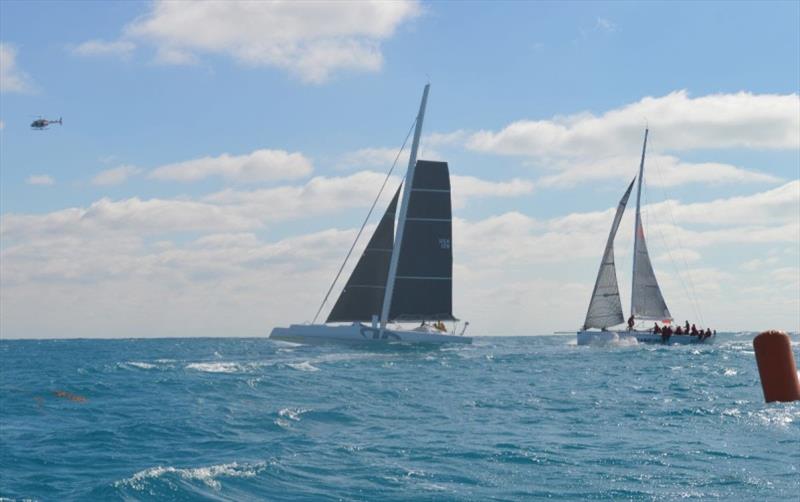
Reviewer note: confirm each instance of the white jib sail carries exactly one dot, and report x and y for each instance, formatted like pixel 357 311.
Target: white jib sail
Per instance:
pixel 647 302
pixel 605 307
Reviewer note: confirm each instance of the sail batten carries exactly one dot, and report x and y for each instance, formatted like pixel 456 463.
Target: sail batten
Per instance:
pixel 647 302
pixel 605 307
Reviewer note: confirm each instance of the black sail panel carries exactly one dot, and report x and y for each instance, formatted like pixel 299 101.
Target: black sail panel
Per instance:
pixel 362 296
pixel 424 283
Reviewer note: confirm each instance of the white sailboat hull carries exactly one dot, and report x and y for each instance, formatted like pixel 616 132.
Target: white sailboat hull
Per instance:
pixel 630 337
pixel 359 334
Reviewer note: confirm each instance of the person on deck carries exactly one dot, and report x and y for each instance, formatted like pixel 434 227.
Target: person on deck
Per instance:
pixel 630 323
pixel 656 329
pixel 708 332
pixel 678 331
pixel 694 330
pixel 686 327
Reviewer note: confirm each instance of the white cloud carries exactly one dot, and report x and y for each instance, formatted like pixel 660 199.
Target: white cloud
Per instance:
pixel 177 57
pixel 116 175
pixel 662 171
pixel 260 165
pixel 12 79
pixel 678 122
pixel 309 39
pixel 40 179
pixel 119 48
pixel 134 215
pixel 373 157
pixel 219 281
pixel 585 147
pixel 466 187
pixel 606 25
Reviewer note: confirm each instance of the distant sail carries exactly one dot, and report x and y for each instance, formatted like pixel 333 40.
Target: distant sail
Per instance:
pixel 423 287
pixel 362 296
pixel 646 299
pixel 605 307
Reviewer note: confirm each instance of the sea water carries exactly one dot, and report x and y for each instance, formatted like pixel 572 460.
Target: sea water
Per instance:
pixel 503 419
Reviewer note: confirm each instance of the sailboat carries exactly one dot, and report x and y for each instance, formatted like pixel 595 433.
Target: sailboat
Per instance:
pixel 402 276
pixel 647 302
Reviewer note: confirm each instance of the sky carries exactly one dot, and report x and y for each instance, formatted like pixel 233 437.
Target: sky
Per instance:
pixel 216 159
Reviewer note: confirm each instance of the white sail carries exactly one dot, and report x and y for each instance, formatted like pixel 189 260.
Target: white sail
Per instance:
pixel 647 302
pixel 605 307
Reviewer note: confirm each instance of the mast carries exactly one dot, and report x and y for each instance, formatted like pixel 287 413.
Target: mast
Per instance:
pixel 638 224
pixel 401 219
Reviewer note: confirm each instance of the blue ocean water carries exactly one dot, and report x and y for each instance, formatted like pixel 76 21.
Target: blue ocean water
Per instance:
pixel 503 419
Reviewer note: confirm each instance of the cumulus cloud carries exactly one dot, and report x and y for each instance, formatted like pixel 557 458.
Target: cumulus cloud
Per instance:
pixel 40 179
pixel 115 176
pixel 260 165
pixel 119 48
pixel 12 79
pixel 229 272
pixel 309 39
pixel 678 122
pixel 585 147
pixel 467 187
pixel 373 157
pixel 664 171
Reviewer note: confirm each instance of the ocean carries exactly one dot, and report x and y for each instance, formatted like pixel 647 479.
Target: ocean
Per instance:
pixel 518 418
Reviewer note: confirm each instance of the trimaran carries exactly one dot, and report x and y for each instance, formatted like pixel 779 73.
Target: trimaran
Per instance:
pixel 402 276
pixel 647 302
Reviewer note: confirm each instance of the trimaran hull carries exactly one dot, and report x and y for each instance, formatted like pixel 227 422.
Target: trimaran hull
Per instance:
pixel 360 334
pixel 622 337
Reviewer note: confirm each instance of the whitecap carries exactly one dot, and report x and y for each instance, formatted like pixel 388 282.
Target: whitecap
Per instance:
pixel 304 366
pixel 140 365
pixel 216 367
pixel 292 413
pixel 207 474
pixel 730 372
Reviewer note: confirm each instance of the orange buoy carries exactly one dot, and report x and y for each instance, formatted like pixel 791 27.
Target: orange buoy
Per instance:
pixel 776 366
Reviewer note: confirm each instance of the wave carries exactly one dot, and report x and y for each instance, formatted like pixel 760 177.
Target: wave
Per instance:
pixel 208 475
pixel 222 367
pixel 140 365
pixel 303 366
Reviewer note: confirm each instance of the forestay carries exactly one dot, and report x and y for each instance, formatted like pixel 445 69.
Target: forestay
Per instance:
pixel 362 296
pixel 605 307
pixel 423 288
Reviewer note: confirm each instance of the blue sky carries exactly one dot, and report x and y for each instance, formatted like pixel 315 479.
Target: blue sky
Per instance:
pixel 538 107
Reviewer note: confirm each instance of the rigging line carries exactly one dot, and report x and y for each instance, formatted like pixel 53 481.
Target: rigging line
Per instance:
pixel 695 297
pixel 691 293
pixel 358 235
pixel 672 261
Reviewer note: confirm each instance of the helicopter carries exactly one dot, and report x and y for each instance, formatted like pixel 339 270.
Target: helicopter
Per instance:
pixel 41 124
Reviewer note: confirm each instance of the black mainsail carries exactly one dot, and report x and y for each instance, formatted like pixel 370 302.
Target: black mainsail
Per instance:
pixel 362 296
pixel 423 285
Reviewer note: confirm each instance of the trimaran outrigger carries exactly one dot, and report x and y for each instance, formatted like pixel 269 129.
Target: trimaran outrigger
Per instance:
pixel 647 302
pixel 402 276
